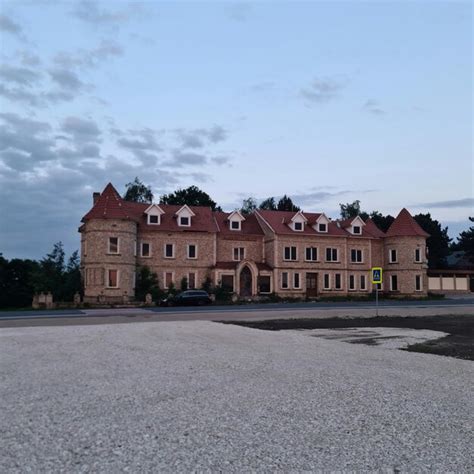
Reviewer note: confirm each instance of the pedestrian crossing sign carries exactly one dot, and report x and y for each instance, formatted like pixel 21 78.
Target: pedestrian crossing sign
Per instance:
pixel 376 275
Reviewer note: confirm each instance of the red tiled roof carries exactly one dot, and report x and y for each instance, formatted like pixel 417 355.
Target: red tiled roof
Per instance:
pixel 111 206
pixel 249 226
pixel 405 225
pixel 279 220
pixel 372 229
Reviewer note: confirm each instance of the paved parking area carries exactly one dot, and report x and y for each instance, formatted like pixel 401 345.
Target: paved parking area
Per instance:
pixel 182 396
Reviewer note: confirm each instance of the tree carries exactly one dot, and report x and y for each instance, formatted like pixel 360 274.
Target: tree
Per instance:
pixel 268 204
pixel 192 196
pixel 352 209
pixel 72 277
pixel 381 221
pixel 146 282
pixel 437 242
pixel 286 204
pixel 138 192
pixel 466 242
pixel 248 206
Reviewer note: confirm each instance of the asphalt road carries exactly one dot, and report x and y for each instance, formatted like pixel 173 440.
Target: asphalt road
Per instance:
pixel 207 397
pixel 230 312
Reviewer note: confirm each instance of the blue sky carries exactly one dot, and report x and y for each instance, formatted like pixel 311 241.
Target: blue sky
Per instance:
pixel 325 101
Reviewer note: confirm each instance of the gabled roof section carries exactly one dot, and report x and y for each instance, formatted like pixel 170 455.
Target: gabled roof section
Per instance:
pixel 321 218
pixel 249 226
pixel 371 229
pixel 185 210
pixel 109 205
pixel 405 226
pixel 236 215
pixel 154 209
pixel 298 217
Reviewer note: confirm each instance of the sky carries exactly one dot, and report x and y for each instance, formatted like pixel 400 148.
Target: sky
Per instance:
pixel 327 102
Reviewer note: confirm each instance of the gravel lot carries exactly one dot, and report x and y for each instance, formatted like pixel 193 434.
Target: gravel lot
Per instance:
pixel 183 396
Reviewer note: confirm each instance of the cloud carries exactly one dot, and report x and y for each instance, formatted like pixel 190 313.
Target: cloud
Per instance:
pixel 220 160
pixel 19 94
pixel 28 59
pixel 181 159
pixel 239 12
pixel 90 12
pixel 262 86
pixel 82 130
pixel 373 107
pixel 197 138
pixel 465 202
pixel 7 25
pixel 19 75
pixel 322 90
pixel 67 79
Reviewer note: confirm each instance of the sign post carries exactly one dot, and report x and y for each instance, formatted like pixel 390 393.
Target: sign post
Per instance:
pixel 377 280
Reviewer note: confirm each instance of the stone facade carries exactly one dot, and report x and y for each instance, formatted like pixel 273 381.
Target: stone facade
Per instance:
pixel 256 255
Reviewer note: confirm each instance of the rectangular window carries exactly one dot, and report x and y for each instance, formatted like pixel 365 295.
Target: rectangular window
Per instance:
pixel 322 228
pixel 290 253
pixel 393 283
pixel 296 280
pixel 146 251
pixel 169 250
pixel 337 281
pixel 135 246
pixel 113 245
pixel 298 226
pixel 418 284
pixel 184 221
pixel 168 279
pixel 327 281
pixel 352 285
pixel 362 282
pixel 239 253
pixel 191 281
pixel 235 225
pixel 392 256
pixel 284 280
pixel 418 255
pixel 331 255
pixel 192 251
pixel 263 284
pixel 153 219
pixel 356 256
pixel 356 229
pixel 112 279
pixel 227 282
pixel 311 254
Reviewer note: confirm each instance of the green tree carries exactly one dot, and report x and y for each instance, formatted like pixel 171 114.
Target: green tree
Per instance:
pixel 192 196
pixel 138 192
pixel 268 204
pixel 465 242
pixel 72 277
pixel 248 206
pixel 184 284
pixel 352 209
pixel 437 242
pixel 381 221
pixel 146 282
pixel 286 204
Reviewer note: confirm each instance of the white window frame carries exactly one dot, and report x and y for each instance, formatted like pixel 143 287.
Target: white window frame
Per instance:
pixel 195 280
pixel 108 277
pixel 195 252
pixel 299 281
pixel 349 286
pixel 239 254
pixel 328 287
pixel 164 250
pixel 287 281
pixel 149 250
pixel 361 256
pixel 390 260
pixel 354 230
pixel 337 254
pixel 296 253
pixel 420 259
pixel 421 282
pixel 298 230
pixel 391 283
pixel 340 281
pixel 154 215
pixel 172 279
pixel 135 248
pixel 363 278
pixel 306 254
pixel 319 227
pixel 235 221
pixel 180 221
pixel 118 246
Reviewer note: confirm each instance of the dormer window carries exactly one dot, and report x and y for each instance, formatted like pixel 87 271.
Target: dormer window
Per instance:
pixel 153 214
pixel 357 229
pixel 153 219
pixel 322 227
pixel 184 216
pixel 298 226
pixel 184 221
pixel 235 225
pixel 298 221
pixel 235 220
pixel 321 224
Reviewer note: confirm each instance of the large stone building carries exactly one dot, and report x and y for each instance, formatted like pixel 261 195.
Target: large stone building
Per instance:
pixel 295 254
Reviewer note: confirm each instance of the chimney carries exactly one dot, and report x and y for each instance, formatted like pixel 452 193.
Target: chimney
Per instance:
pixel 95 197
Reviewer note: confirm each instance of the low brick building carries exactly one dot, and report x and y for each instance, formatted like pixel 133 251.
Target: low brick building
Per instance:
pixel 294 254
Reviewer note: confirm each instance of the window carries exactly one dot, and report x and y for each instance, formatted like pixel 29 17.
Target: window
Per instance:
pixel 263 283
pixel 239 253
pixel 135 246
pixel 392 256
pixel 337 281
pixel 311 254
pixel 322 227
pixel 352 282
pixel 356 229
pixel 169 250
pixel 227 282
pixel 153 219
pixel 296 280
pixel 112 279
pixel 362 282
pixel 192 281
pixel 113 245
pixel 418 255
pixel 184 221
pixel 235 225
pixel 298 226
pixel 327 281
pixel 393 283
pixel 284 280
pixel 356 255
pixel 192 251
pixel 331 255
pixel 418 283
pixel 168 279
pixel 146 249
pixel 290 253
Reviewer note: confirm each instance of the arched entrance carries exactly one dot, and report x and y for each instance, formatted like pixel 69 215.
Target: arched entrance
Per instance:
pixel 246 282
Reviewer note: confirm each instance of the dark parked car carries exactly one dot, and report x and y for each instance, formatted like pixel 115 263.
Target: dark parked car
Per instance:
pixel 189 297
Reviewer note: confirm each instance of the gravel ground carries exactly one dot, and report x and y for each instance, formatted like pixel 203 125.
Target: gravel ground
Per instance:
pixel 203 396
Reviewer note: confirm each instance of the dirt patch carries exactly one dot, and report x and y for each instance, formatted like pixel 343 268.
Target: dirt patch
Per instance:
pixel 459 343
